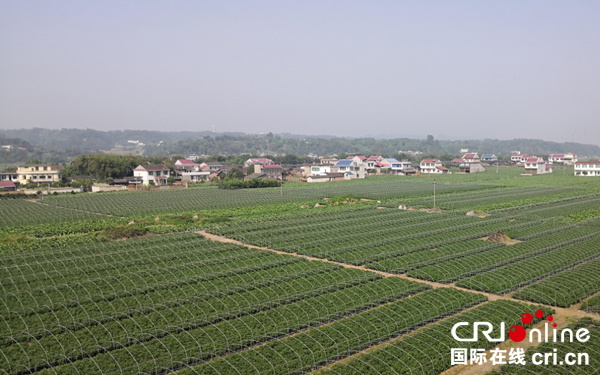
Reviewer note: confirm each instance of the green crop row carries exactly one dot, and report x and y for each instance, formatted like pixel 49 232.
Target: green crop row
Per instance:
pixel 480 262
pixel 159 351
pixel 565 288
pixel 86 314
pixel 428 351
pixel 513 276
pixel 315 347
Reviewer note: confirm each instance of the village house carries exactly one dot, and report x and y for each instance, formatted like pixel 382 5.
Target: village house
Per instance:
pixel 258 161
pixel 211 166
pixel 432 166
pixel 352 168
pixel 195 176
pixel 9 176
pixel 6 186
pixel 587 168
pixel 516 157
pixel 155 173
pixel 489 158
pixel 470 167
pixel 456 161
pixel 329 161
pixel 471 158
pixel 294 172
pixel 269 171
pixel 327 177
pixel 358 158
pixel 535 165
pixel 39 173
pixel 185 165
pixel 372 161
pixel 524 158
pixel 402 168
pixel 566 159
pixel 188 171
pixel 385 163
pixel 316 170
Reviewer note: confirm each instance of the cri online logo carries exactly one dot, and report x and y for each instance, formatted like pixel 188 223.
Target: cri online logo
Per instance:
pixel 517 332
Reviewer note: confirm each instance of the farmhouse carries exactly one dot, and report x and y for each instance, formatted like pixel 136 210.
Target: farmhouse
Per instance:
pixel 432 166
pixel 358 158
pixel 373 160
pixel 567 159
pixel 316 170
pixel 155 173
pixel 211 166
pixel 258 161
pixel 7 186
pixel 39 173
pixel 195 176
pixel 9 176
pixel 185 165
pixel 489 158
pixel 327 177
pixel 329 161
pixel 587 168
pixel 352 168
pixel 269 171
pixel 402 168
pixel 470 167
pixel 535 165
pixel 516 157
pixel 471 158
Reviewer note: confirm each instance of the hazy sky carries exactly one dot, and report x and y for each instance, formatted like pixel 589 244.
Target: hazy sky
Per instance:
pixel 459 69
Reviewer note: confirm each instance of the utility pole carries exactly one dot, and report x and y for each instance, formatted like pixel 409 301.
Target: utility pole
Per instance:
pixel 281 185
pixel 497 161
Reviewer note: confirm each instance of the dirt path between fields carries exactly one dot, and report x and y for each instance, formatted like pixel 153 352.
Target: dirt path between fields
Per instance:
pixel 563 316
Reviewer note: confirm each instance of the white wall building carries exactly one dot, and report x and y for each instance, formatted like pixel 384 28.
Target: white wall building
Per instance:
pixel 587 168
pixel 566 159
pixel 155 173
pixel 535 165
pixel 432 166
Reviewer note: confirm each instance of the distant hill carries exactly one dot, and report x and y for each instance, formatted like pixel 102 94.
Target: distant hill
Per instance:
pixel 70 142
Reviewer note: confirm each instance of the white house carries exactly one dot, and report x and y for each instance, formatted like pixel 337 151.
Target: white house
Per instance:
pixel 195 176
pixel 471 157
pixel 402 168
pixel 212 166
pixel 524 158
pixel 587 168
pixel 329 161
pixel 372 160
pixel 155 173
pixel 433 166
pixel 316 170
pixel 569 158
pixel 515 157
pixel 258 161
pixel 489 158
pixel 352 168
pixel 535 165
pixel 185 165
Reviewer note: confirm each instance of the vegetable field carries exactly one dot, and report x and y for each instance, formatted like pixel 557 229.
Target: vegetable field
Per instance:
pixel 324 278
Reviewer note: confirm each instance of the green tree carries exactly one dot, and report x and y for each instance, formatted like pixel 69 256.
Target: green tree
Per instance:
pixel 235 174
